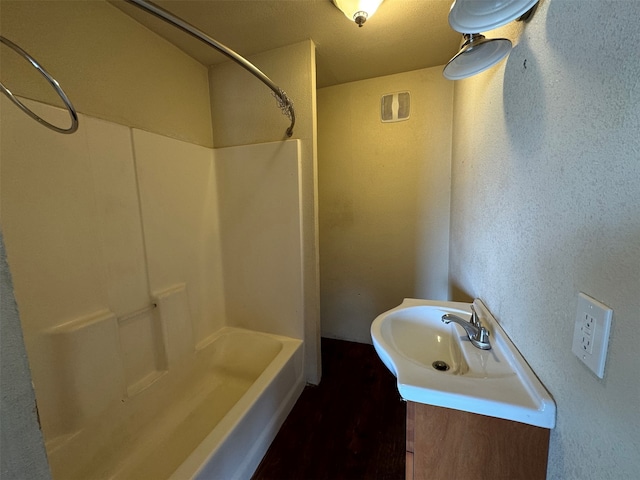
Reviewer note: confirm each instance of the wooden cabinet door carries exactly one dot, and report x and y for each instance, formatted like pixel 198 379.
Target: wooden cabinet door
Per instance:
pixel 449 444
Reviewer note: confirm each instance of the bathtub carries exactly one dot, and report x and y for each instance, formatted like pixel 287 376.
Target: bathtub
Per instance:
pixel 215 420
pixel 235 446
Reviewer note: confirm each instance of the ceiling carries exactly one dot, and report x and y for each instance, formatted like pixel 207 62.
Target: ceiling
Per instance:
pixel 403 35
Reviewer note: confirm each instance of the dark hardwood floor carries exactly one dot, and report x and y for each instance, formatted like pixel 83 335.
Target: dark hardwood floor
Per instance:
pixel 351 426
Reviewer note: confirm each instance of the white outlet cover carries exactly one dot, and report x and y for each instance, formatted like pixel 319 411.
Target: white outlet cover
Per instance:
pixel 594 337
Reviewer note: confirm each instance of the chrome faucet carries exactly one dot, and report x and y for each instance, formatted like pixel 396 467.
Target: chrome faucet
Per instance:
pixel 478 335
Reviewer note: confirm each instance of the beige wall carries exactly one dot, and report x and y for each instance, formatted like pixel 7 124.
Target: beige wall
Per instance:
pixel 384 199
pixel 244 112
pixel 109 66
pixel 546 204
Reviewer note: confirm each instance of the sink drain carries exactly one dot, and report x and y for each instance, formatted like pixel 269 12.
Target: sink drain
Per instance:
pixel 440 366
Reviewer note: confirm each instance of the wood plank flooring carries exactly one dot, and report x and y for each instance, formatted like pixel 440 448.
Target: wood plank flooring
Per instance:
pixel 350 427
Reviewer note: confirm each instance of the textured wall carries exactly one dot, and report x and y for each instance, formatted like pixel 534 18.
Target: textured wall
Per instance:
pixel 384 199
pixel 244 113
pixel 22 453
pixel 109 66
pixel 546 203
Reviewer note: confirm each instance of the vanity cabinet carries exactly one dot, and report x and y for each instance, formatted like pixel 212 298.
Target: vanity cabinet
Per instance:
pixel 449 444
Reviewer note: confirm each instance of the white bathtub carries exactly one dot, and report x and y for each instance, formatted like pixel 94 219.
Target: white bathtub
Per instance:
pixel 214 421
pixel 235 446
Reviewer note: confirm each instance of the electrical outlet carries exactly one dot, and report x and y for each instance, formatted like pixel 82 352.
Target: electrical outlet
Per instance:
pixel 587 328
pixel 591 333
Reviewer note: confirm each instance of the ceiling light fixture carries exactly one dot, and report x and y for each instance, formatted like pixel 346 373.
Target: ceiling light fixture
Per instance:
pixel 476 55
pixel 358 10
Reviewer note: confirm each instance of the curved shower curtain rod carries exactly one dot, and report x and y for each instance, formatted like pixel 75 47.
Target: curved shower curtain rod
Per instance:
pixel 52 81
pixel 285 104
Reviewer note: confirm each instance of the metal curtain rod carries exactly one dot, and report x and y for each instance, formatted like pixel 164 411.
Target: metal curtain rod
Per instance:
pixel 285 104
pixel 52 81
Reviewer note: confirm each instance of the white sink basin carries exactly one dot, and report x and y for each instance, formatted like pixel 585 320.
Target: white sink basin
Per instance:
pixel 420 337
pixel 416 346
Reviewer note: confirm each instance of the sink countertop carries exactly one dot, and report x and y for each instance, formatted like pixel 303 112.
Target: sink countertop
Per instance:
pixel 497 382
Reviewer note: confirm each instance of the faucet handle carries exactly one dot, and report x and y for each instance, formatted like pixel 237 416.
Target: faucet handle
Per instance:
pixel 475 320
pixel 481 339
pixel 483 335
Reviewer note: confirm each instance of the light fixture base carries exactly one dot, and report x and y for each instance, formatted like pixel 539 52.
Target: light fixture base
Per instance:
pixel 358 11
pixel 476 55
pixel 360 17
pixel 528 15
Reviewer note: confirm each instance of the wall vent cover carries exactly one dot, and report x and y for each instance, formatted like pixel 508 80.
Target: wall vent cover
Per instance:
pixel 395 107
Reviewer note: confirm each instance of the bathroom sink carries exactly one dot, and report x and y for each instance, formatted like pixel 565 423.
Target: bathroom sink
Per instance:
pixel 436 364
pixel 419 336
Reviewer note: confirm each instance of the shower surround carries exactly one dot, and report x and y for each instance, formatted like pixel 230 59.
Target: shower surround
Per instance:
pixel 132 254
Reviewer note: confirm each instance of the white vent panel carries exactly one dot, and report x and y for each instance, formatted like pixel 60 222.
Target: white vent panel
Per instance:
pixel 395 107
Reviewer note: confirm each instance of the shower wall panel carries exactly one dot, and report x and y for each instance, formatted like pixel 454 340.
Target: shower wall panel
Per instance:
pixel 243 113
pixel 116 248
pixel 179 203
pixel 71 223
pixel 109 300
pixel 260 225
